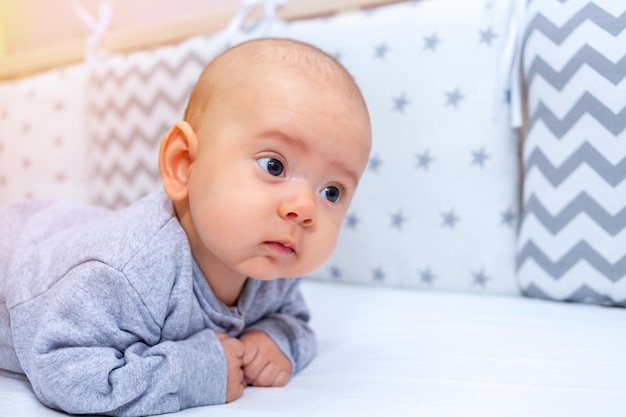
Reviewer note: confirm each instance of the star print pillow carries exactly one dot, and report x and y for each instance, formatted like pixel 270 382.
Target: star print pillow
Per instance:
pixel 437 205
pixel 42 139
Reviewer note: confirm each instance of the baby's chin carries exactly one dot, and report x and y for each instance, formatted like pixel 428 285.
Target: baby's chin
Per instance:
pixel 284 274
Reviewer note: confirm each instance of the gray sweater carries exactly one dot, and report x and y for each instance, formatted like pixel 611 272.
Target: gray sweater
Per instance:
pixel 107 312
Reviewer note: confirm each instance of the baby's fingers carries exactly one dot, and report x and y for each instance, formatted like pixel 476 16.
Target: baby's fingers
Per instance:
pixel 250 353
pixel 270 376
pixel 234 350
pixel 235 385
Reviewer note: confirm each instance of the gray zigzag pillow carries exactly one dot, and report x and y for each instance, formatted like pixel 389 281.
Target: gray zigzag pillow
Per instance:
pixel 572 241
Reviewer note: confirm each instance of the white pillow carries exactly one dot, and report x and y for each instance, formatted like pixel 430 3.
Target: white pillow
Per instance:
pixel 42 136
pixel 437 206
pixel 572 243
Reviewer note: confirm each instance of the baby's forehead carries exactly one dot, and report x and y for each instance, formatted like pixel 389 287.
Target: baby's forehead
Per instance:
pixel 250 58
pixel 253 68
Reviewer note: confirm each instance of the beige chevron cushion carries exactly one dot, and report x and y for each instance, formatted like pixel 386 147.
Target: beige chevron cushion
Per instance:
pixel 133 100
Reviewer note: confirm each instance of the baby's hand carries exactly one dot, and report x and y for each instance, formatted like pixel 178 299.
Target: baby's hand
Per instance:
pixel 234 351
pixel 264 365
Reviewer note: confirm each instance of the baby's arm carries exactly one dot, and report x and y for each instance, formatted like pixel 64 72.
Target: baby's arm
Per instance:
pixel 281 343
pixel 90 345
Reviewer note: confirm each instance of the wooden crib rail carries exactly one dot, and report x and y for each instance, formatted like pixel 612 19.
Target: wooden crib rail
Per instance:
pixel 25 63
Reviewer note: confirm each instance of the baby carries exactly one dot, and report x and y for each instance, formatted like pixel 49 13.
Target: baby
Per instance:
pixel 189 295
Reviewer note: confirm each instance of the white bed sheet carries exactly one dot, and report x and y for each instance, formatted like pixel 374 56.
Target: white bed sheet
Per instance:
pixel 391 352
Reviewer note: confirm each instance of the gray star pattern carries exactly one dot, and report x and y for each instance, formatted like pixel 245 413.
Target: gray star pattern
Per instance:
pixel 399 103
pixel 480 278
pixel 479 157
pixel 378 274
pixel 426 276
pixel 398 220
pixel 380 51
pixel 352 221
pixel 450 219
pixel 487 36
pixel 508 217
pixel 507 96
pixel 374 163
pixel 431 42
pixel 453 98
pixel 424 160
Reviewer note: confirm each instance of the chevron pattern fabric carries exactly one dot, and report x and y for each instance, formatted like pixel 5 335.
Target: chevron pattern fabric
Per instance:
pixel 132 101
pixel 572 240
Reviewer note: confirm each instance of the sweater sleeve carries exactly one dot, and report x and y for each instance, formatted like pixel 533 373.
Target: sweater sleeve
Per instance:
pixel 289 329
pixel 89 345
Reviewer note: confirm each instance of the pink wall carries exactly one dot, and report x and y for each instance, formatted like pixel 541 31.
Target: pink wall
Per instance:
pixel 32 23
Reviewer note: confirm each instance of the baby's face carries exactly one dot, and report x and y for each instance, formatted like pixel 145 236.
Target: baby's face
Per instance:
pixel 278 164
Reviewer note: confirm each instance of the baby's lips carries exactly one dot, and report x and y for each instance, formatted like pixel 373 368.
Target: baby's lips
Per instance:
pixel 281 247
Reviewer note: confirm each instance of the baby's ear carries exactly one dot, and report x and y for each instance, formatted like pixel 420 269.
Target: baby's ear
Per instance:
pixel 177 152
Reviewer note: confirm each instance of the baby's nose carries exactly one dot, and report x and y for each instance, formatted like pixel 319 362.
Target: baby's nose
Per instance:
pixel 299 206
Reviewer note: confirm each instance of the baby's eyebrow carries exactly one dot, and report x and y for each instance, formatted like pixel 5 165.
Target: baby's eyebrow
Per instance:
pixel 337 164
pixel 346 171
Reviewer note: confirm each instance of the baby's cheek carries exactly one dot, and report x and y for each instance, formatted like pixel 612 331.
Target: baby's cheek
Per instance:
pixel 327 246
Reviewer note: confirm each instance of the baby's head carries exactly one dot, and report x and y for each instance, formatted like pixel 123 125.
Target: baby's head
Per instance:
pixel 264 165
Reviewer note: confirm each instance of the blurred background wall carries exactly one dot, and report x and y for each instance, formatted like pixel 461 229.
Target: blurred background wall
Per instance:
pixel 28 24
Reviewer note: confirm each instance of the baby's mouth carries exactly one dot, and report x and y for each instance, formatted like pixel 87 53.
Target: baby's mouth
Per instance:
pixel 280 247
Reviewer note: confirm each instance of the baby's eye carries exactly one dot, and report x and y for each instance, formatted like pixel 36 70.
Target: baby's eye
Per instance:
pixel 331 193
pixel 273 166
